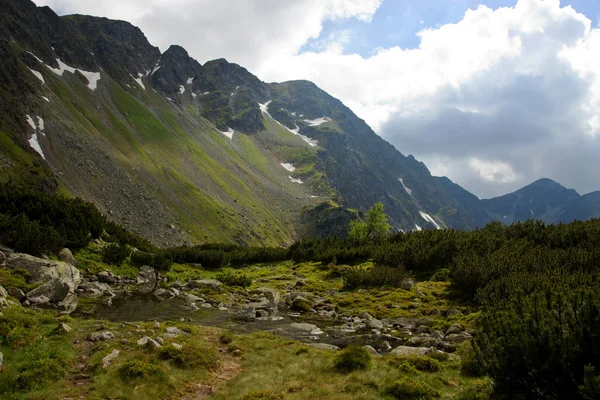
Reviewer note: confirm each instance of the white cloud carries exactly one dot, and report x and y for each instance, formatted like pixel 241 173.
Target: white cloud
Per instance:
pixel 494 101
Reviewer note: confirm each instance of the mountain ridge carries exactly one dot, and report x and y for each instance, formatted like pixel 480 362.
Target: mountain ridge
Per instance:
pixel 181 152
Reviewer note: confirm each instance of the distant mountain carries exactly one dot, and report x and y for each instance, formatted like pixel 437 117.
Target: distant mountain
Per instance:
pixel 543 200
pixel 181 152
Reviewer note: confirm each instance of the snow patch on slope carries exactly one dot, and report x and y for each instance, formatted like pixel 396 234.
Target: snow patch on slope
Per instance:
pixel 318 121
pixel 296 131
pixel 139 81
pixel 295 180
pixel 418 228
pixel 288 166
pixel 45 98
pixel 428 218
pixel 229 133
pixel 181 90
pixel 38 75
pixel 408 190
pixel 33 140
pixel 92 77
pixel 190 80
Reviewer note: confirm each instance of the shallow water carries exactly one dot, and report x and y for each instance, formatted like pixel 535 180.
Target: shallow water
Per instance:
pixel 140 308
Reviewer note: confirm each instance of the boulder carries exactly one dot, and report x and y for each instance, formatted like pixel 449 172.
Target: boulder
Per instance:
pixel 301 304
pixel 2 258
pixel 177 346
pixel 439 335
pixel 3 298
pixel 422 341
pixel 245 314
pixel 66 256
pixel 205 284
pixel 106 277
pixel 64 328
pixel 107 360
pixel 55 290
pixel 457 337
pixel 271 294
pixel 46 271
pixel 455 328
pixel 407 284
pixel 148 273
pixel 95 289
pixel 104 335
pixel 309 328
pixel 324 346
pixel 453 313
pixel 371 350
pixel 146 341
pixel 260 304
pixel 371 322
pixel 16 293
pixel 406 351
pixel 176 331
pixel 206 305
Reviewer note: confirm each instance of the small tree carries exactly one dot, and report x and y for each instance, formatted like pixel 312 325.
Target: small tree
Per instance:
pixel 375 227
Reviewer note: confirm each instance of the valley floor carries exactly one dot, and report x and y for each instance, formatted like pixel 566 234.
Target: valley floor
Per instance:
pixel 47 356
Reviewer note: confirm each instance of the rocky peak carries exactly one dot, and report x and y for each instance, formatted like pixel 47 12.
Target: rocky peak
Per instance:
pixel 119 47
pixel 177 73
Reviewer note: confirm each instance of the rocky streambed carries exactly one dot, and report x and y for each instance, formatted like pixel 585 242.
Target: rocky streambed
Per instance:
pixel 291 313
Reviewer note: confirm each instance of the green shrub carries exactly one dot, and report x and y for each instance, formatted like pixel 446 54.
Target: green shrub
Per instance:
pixel 231 279
pixel 479 391
pixel 191 355
pixel 442 357
pixel 355 278
pixel 441 275
pixel 136 369
pixel 115 254
pixel 158 261
pixel 353 358
pixel 409 389
pixel 420 363
pixel 27 236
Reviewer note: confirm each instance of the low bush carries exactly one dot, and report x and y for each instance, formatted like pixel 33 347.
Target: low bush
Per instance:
pixel 231 279
pixel 410 389
pixel 353 358
pixel 115 254
pixel 420 363
pixel 376 277
pixel 158 261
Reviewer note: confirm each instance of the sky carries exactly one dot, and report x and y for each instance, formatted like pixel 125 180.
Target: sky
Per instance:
pixel 494 94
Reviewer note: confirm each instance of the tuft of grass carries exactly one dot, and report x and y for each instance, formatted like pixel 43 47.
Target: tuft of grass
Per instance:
pixel 231 279
pixel 226 337
pixel 353 358
pixel 422 364
pixel 192 355
pixel 137 369
pixel 357 277
pixel 410 389
pixel 263 395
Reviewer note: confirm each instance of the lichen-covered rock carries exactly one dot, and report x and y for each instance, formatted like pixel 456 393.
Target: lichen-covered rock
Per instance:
pixel 422 341
pixel 245 314
pixel 149 342
pixel 205 284
pixel 104 335
pixel 455 328
pixel 66 256
pixel 324 346
pixel 43 271
pixel 271 294
pixel 301 304
pixel 406 351
pixel 107 360
pixel 371 350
